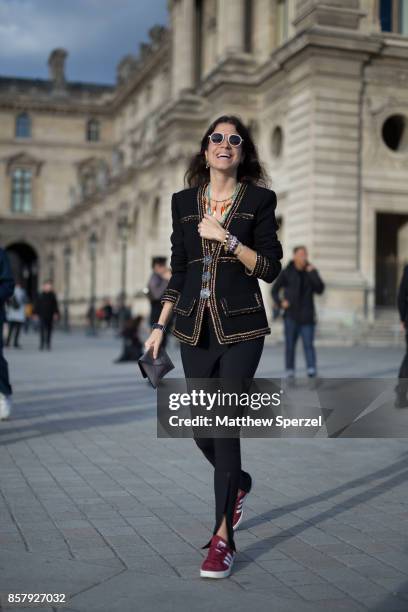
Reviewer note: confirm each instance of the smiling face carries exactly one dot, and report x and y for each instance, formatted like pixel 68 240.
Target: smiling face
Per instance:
pixel 223 156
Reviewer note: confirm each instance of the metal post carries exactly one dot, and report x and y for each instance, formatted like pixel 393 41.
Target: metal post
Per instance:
pixel 51 264
pixel 93 240
pixel 67 274
pixel 124 269
pixel 123 231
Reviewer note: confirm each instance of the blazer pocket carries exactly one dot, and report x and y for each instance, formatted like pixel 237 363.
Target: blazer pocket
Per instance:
pixel 184 305
pixel 241 304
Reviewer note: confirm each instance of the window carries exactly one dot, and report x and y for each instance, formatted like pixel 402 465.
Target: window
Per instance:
pixel 92 130
pixel 281 21
pixel 394 16
pixel 23 126
pixel 395 133
pixel 277 141
pixel 21 196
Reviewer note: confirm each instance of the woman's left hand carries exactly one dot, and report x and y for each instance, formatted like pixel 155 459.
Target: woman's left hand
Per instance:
pixel 211 229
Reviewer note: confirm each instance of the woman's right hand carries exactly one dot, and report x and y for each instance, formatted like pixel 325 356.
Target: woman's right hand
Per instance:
pixel 154 340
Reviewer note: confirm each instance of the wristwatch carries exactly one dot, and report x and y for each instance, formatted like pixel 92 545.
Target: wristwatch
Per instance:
pixel 159 326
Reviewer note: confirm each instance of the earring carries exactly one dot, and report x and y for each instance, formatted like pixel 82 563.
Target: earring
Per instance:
pixel 207 165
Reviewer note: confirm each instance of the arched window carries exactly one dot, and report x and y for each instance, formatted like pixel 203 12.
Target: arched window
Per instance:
pixel 21 191
pixel 92 130
pixel 23 126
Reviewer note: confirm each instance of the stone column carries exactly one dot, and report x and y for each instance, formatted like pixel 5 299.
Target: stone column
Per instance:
pixel 371 21
pixel 183 49
pixel 230 27
pixel 264 24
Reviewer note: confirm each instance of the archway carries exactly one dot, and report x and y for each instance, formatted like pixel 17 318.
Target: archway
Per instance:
pixel 24 265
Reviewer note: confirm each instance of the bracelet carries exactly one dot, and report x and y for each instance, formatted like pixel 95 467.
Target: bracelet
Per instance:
pixel 231 244
pixel 224 242
pixel 159 326
pixel 240 246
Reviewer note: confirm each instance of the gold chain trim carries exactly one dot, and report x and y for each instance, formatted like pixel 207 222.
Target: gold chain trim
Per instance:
pixel 188 218
pixel 206 249
pixel 244 215
pixel 170 295
pixel 184 311
pixel 229 311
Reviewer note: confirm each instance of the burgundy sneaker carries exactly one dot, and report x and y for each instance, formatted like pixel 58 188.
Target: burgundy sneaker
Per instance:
pixel 219 560
pixel 238 514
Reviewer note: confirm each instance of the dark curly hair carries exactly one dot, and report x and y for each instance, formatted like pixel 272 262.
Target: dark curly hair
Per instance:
pixel 250 170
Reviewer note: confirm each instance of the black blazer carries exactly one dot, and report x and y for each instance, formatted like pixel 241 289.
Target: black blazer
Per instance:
pixel 235 300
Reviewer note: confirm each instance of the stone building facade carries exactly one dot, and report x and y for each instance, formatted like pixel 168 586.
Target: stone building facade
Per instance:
pixel 87 171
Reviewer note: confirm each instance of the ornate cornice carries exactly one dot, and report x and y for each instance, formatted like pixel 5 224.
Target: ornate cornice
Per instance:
pixel 23 159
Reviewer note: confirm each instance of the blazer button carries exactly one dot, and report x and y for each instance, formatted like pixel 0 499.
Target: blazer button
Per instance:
pixel 205 293
pixel 207 259
pixel 206 276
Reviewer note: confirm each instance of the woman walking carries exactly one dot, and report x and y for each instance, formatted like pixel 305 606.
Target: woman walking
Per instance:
pixel 223 241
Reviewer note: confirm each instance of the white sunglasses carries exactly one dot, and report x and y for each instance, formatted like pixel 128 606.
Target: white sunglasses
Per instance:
pixel 234 140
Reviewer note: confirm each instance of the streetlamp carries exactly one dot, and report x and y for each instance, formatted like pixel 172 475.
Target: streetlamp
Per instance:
pixel 67 270
pixel 51 265
pixel 93 242
pixel 123 231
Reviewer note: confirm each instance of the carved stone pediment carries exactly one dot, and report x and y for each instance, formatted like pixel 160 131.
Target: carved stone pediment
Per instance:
pixel 25 160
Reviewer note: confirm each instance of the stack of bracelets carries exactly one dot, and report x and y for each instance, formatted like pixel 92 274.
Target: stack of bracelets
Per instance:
pixel 230 243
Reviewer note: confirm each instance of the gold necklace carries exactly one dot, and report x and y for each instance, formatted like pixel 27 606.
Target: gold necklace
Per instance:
pixel 219 201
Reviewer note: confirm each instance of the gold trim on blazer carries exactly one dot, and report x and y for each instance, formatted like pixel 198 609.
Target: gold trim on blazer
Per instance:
pixel 226 308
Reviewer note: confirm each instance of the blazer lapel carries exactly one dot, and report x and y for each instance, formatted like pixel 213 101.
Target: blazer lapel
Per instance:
pixel 206 243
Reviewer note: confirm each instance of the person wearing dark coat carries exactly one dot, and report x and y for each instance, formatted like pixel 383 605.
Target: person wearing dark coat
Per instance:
pixel 6 291
pixel 402 303
pixel 47 311
pixel 132 345
pixel 156 287
pixel 299 282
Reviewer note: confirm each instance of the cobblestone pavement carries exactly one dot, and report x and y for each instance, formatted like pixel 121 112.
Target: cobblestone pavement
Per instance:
pixel 94 505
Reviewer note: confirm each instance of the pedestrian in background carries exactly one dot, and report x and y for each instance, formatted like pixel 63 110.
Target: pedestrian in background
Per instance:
pixel 6 291
pixel 132 344
pixel 47 312
pixel 28 317
pixel 402 302
pixel 107 312
pixel 15 315
pixel 299 281
pixel 156 287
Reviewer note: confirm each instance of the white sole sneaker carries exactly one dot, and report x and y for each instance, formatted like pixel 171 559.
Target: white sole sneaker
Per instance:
pixel 224 574
pixel 5 407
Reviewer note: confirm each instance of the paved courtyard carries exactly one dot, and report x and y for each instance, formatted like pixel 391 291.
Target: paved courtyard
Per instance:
pixel 93 505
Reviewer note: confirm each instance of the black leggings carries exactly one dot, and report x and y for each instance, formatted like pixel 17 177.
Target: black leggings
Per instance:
pixel 209 359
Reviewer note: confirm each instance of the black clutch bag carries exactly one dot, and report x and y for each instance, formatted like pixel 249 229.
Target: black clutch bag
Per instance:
pixel 154 369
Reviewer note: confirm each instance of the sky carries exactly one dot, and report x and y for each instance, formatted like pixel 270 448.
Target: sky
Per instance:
pixel 96 34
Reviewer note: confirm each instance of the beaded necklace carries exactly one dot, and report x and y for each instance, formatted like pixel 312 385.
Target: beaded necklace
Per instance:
pixel 226 204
